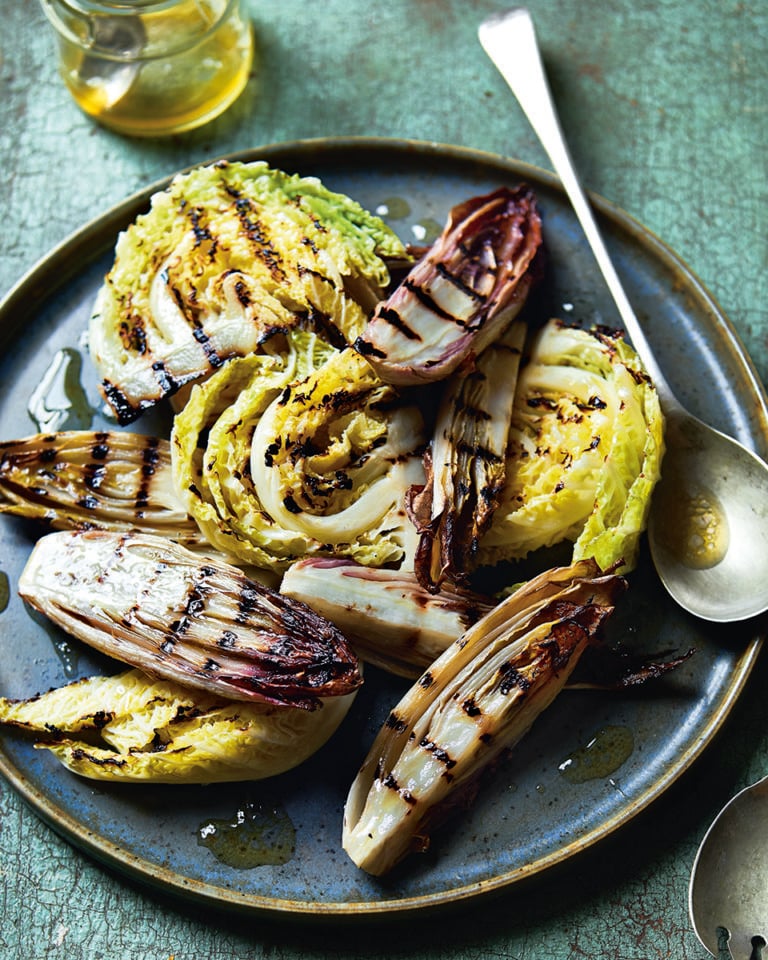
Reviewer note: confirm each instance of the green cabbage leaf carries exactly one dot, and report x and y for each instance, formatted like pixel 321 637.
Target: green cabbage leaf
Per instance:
pixel 131 728
pixel 305 454
pixel 228 256
pixel 585 451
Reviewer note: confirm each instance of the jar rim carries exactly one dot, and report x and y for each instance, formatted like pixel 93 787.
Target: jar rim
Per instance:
pixel 92 11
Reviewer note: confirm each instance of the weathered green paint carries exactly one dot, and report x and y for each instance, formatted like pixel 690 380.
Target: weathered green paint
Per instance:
pixel 664 105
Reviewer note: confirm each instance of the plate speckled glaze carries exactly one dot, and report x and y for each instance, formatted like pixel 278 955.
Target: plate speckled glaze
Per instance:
pixel 537 810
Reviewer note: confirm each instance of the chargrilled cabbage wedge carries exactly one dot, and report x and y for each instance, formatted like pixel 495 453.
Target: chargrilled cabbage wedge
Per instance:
pixel 200 622
pixel 228 256
pixel 131 728
pixel 585 450
pixel 473 703
pixel 277 463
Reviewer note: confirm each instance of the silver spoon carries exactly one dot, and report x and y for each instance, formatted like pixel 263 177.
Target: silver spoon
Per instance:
pixel 708 527
pixel 728 893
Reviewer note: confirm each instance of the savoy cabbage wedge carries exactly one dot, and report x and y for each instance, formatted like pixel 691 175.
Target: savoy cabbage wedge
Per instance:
pixel 228 255
pixel 585 450
pixel 286 456
pixel 160 731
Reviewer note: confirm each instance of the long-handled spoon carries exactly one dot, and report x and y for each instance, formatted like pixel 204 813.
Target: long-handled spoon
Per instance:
pixel 708 526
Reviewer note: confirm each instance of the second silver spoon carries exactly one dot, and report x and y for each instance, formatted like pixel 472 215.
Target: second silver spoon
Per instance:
pixel 708 527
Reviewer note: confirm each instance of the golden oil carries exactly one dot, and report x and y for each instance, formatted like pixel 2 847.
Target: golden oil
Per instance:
pixel 153 67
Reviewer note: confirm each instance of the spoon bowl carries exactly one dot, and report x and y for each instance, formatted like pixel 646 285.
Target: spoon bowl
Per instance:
pixel 708 524
pixel 728 892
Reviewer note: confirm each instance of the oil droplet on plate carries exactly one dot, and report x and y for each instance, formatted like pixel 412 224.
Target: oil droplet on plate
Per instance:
pixel 698 531
pixel 256 835
pixel 601 756
pixel 426 231
pixel 396 208
pixel 59 401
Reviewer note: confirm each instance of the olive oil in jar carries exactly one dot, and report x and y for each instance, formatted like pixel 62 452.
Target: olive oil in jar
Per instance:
pixel 152 67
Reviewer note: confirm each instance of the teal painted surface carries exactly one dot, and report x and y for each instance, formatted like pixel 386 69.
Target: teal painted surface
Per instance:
pixel 665 108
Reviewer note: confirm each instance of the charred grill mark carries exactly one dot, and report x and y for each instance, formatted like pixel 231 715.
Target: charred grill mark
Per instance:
pixel 396 723
pixel 428 302
pixel 426 680
pixel 93 475
pixel 133 336
pixel 100 449
pixel 202 233
pixel 272 451
pixel 470 411
pixel 164 379
pixel 227 640
pixel 248 602
pixel 194 606
pixel 82 755
pixel 150 458
pixel 460 284
pixel 367 349
pixel 439 753
pixel 259 238
pixel 308 271
pixel 393 318
pixel 200 334
pixel 243 294
pixel 477 450
pixel 511 678
pixel 390 782
pixel 324 325
pixel 547 402
pixel 471 708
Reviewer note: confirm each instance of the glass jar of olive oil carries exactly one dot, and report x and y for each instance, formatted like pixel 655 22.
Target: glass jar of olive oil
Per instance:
pixel 152 67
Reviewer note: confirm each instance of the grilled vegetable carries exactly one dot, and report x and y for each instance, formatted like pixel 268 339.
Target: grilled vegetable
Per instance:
pixel 465 466
pixel 202 623
pixel 461 294
pixel 162 732
pixel 585 450
pixel 276 466
pixel 105 480
pixel 227 257
pixel 475 702
pixel 391 620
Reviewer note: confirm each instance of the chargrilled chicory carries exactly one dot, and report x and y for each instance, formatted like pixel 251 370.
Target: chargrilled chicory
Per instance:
pixel 466 463
pixel 107 480
pixel 461 294
pixel 475 702
pixel 202 623
pixel 391 619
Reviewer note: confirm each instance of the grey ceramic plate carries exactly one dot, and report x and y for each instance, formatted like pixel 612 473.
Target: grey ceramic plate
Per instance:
pixel 543 807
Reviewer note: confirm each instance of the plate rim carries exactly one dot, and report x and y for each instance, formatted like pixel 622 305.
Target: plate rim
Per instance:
pixel 104 850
